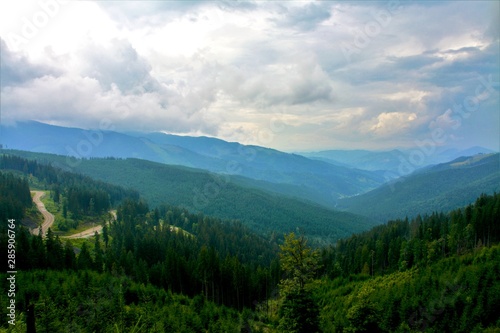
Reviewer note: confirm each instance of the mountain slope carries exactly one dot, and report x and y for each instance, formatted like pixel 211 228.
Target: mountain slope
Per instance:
pixel 438 188
pixel 216 195
pixel 312 180
pixel 38 137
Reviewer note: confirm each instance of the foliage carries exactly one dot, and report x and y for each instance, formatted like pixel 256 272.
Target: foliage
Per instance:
pixel 362 315
pixel 223 261
pixel 299 313
pixel 434 273
pixel 403 244
pixel 15 197
pixel 299 263
pixel 78 197
pixel 167 269
pixel 15 201
pixel 218 195
pixel 79 188
pixel 87 301
pixel 456 294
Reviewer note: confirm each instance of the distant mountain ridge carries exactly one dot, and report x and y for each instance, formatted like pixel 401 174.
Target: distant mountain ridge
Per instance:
pixel 389 160
pixel 330 183
pixel 441 187
pixel 313 180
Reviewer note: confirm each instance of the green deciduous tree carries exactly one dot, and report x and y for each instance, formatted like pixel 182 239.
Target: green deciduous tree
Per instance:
pixel 299 263
pixel 363 315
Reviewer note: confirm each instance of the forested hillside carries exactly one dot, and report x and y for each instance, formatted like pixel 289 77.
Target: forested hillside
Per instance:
pixel 79 198
pixel 453 295
pixel 436 273
pixel 15 197
pixel 403 244
pixel 163 268
pixel 225 262
pixel 442 187
pixel 202 269
pixel 58 179
pixel 278 168
pixel 217 195
pixel 321 182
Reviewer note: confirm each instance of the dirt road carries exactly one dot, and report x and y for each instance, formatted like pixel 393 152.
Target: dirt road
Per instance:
pixel 86 233
pixel 48 218
pixel 90 232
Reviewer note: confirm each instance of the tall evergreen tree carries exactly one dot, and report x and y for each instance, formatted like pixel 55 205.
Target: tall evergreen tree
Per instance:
pixel 84 260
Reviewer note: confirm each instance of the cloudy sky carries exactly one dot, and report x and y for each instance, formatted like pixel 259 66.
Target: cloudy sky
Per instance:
pixel 292 75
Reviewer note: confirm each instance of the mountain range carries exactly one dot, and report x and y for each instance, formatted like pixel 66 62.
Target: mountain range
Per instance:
pixel 390 162
pixel 305 178
pixel 436 188
pixel 359 182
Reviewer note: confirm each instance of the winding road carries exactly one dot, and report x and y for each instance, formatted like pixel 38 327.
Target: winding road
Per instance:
pixel 48 218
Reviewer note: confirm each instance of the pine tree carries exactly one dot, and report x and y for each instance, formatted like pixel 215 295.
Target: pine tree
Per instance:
pixel 99 257
pixel 84 260
pixel 69 256
pixel 105 235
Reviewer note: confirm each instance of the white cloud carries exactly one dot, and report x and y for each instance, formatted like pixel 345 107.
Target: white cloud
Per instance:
pixel 390 123
pixel 117 62
pixel 229 69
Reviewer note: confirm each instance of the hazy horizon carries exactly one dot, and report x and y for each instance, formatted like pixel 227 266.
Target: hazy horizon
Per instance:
pixel 424 144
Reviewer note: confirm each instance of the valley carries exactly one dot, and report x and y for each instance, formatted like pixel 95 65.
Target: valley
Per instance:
pixel 272 170
pixel 250 166
pixel 213 246
pixel 436 188
pixel 217 195
pixel 357 189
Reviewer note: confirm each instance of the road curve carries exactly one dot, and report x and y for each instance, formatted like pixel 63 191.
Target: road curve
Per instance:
pixel 91 231
pixel 48 218
pixel 86 233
